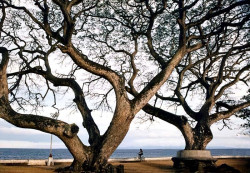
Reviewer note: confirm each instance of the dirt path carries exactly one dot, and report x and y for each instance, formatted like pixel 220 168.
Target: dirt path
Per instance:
pixel 159 166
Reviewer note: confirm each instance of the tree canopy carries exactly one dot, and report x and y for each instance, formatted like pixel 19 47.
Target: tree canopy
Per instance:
pixel 208 83
pixel 122 56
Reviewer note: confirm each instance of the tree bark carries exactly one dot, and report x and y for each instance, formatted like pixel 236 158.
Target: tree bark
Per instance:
pixel 201 136
pixel 98 154
pixel 195 138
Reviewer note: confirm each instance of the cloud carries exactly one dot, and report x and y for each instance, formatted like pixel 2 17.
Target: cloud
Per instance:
pixel 158 134
pixel 19 131
pixel 27 144
pixel 230 142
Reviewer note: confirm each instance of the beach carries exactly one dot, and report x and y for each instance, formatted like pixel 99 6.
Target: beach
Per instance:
pixel 148 166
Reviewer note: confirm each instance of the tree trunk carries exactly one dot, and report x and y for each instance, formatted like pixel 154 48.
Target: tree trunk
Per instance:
pixel 96 158
pixel 201 136
pixel 193 158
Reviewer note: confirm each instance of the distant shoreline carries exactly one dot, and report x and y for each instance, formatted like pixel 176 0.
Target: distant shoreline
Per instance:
pixel 129 154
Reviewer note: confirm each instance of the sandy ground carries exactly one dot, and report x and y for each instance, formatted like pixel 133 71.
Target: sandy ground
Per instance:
pixel 159 166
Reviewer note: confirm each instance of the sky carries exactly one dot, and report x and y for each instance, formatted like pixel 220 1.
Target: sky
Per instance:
pixel 151 135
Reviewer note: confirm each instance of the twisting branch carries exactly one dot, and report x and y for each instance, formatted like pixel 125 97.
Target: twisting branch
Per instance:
pixel 49 125
pixel 226 114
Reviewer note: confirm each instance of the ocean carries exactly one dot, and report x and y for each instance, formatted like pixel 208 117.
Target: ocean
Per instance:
pixel 22 154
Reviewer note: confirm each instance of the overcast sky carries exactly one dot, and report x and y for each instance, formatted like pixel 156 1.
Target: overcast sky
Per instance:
pixel 158 134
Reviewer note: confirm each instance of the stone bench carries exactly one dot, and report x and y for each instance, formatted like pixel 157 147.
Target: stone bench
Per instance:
pixel 193 159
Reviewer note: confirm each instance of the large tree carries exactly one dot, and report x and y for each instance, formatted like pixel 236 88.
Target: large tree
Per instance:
pixel 215 35
pixel 209 81
pixel 93 47
pixel 122 51
pixel 207 85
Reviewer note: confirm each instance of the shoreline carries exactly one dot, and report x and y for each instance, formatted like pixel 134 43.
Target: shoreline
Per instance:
pixel 43 162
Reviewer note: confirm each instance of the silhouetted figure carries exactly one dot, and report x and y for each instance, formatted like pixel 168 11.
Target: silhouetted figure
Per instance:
pixel 140 154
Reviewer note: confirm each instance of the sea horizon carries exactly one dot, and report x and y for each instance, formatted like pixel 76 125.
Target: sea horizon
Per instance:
pixel 34 153
pixel 134 148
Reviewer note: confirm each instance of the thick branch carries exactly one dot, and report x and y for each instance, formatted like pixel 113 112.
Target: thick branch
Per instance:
pixel 180 122
pixel 226 114
pixel 185 105
pixel 82 61
pixel 88 121
pixel 172 99
pixel 3 78
pixel 212 14
pixel 151 48
pixel 66 132
pixel 44 124
pixel 2 18
pixel 154 85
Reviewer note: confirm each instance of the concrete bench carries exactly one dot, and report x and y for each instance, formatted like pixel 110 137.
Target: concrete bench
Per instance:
pixel 193 159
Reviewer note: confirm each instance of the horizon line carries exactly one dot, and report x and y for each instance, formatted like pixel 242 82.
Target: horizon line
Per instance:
pixel 146 148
